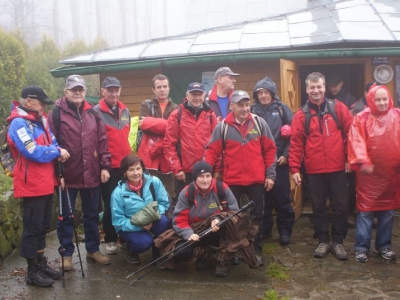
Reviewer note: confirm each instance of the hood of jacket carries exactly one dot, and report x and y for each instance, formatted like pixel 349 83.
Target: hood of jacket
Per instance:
pixel 267 84
pixel 371 99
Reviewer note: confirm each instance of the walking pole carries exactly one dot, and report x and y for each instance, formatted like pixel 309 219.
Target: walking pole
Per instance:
pixel 186 244
pixel 71 215
pixel 61 219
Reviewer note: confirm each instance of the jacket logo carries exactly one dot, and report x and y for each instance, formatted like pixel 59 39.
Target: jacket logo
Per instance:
pixel 123 118
pixel 253 131
pixel 212 205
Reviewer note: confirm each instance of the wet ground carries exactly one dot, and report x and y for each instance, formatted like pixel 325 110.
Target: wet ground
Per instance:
pixel 309 278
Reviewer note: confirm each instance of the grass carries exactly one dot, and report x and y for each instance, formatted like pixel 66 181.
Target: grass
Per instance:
pixel 6 183
pixel 277 271
pixel 273 295
pixel 269 248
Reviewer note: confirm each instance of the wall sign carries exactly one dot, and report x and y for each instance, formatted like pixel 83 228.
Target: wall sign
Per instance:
pixel 380 60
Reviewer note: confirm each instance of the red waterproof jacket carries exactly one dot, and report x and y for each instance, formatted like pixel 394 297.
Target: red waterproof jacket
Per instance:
pixel 374 139
pixel 117 130
pixel 84 136
pixel 324 149
pixel 193 132
pixel 250 156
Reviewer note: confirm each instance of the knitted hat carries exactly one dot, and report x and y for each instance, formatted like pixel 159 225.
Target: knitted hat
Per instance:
pixel 201 167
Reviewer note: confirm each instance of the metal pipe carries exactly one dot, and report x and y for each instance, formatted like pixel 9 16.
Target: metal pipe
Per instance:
pixel 224 58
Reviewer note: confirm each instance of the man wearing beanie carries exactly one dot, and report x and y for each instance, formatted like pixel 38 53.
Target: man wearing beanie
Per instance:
pixel 204 204
pixel 269 107
pixel 189 129
pixel 249 157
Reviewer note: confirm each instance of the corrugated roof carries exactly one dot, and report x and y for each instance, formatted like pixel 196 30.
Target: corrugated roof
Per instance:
pixel 343 21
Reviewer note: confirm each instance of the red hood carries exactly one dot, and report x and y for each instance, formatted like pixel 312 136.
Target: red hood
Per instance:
pixel 371 99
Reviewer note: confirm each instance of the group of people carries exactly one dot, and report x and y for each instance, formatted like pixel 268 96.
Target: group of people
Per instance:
pixel 195 163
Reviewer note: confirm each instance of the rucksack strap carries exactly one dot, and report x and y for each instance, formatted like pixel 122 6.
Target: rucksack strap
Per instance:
pixel 152 191
pixel 191 189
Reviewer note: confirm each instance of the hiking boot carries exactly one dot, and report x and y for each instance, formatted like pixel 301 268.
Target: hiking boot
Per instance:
pixel 201 263
pixel 35 276
pixel 361 256
pixel 222 269
pixel 339 251
pixel 235 261
pixel 386 253
pixel 259 260
pixel 111 248
pixel 98 257
pixel 156 255
pixel 45 268
pixel 133 258
pixel 321 250
pixel 284 240
pixel 123 246
pixel 67 263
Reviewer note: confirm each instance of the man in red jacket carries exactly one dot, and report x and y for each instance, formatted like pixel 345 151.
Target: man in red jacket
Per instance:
pixel 322 149
pixel 116 118
pixel 249 156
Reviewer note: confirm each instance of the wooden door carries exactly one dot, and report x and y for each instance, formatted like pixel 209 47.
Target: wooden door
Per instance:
pixel 290 95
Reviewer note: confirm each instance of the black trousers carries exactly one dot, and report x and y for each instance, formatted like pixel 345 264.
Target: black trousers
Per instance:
pixel 36 221
pixel 254 192
pixel 333 186
pixel 179 185
pixel 110 235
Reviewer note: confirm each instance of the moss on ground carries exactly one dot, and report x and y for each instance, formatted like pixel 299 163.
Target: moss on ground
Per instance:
pixel 277 271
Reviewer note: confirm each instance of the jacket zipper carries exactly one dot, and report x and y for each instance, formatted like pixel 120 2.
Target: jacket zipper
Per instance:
pixel 326 127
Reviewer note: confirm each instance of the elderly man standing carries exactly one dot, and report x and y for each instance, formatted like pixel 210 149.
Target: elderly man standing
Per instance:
pixel 188 132
pixel 79 129
pixel 153 122
pixel 116 118
pixel 249 156
pixel 221 94
pixel 319 136
pixel 36 149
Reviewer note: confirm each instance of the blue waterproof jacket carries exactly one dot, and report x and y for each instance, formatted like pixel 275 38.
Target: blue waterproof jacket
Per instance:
pixel 125 202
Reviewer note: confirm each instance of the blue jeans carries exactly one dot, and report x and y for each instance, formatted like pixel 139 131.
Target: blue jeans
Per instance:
pixel 383 230
pixel 90 209
pixel 141 241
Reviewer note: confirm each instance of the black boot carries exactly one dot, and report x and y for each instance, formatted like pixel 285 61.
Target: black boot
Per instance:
pixel 35 276
pixel 156 255
pixel 222 269
pixel 45 268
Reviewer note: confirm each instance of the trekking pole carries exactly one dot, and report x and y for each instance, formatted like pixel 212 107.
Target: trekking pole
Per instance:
pixel 71 215
pixel 61 219
pixel 186 244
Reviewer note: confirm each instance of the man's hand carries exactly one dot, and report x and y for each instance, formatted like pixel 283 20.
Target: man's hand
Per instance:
pixel 296 178
pixel 64 155
pixel 347 168
pixel 217 176
pixel 62 183
pixel 147 227
pixel 181 176
pixel 194 238
pixel 269 184
pixel 214 225
pixel 282 160
pixel 366 169
pixel 105 175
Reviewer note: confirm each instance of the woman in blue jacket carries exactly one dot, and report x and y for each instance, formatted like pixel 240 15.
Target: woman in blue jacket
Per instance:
pixel 131 195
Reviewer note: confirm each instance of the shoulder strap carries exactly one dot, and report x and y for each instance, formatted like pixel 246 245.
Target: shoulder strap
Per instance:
pixel 152 191
pixel 257 123
pixel 220 191
pixel 224 133
pixel 307 114
pixel 282 114
pixel 57 121
pixel 332 112
pixel 179 115
pixel 191 194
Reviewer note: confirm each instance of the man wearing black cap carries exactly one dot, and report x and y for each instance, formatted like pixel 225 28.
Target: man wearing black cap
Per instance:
pixel 188 131
pixel 335 87
pixel 221 93
pixel 249 156
pixel 116 118
pixel 82 133
pixel 36 150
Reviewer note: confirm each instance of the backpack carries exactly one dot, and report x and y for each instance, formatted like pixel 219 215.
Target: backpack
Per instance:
pixel 329 109
pixel 6 158
pixel 225 127
pixel 172 204
pixel 139 135
pixel 221 200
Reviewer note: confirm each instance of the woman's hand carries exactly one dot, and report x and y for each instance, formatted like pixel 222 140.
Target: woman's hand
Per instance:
pixel 214 225
pixel 147 227
pixel 194 238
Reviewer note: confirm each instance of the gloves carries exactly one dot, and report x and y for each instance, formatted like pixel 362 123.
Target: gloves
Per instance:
pixel 286 131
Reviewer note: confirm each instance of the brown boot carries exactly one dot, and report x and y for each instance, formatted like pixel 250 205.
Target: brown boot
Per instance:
pixel 98 257
pixel 67 263
pixel 222 269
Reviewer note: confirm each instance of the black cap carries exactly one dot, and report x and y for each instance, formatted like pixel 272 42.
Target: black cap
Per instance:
pixel 199 168
pixel 111 82
pixel 35 92
pixel 195 86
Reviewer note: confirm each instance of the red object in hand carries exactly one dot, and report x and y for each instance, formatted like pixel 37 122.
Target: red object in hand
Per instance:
pixel 286 131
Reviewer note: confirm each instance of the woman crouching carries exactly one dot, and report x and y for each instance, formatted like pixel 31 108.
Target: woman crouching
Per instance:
pixel 135 216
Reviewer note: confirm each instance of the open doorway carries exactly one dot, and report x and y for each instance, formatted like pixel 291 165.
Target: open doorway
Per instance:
pixel 352 75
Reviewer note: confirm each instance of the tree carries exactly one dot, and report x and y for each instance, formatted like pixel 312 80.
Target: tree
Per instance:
pixel 12 71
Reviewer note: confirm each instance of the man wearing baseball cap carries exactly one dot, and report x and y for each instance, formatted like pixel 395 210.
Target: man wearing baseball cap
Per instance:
pixel 80 130
pixel 116 118
pixel 35 149
pixel 221 93
pixel 249 156
pixel 189 129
